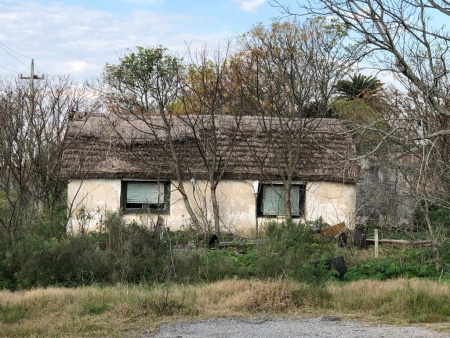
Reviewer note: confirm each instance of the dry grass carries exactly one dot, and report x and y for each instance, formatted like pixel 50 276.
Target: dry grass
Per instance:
pixel 395 301
pixel 114 311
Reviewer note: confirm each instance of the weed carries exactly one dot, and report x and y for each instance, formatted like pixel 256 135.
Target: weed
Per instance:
pixel 10 313
pixel 108 311
pixel 387 269
pixel 93 307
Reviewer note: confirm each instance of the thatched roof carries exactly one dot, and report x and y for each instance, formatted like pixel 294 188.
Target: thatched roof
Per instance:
pixel 106 146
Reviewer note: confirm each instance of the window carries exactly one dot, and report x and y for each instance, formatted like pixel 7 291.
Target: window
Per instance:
pixel 153 197
pixel 271 200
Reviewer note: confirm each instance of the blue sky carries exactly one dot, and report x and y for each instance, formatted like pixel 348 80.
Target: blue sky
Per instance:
pixel 79 37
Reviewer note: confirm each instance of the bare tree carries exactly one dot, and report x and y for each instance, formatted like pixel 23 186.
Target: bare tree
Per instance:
pixel 31 146
pixel 408 41
pixel 427 170
pixel 288 72
pixel 208 107
pixel 191 101
pixel 401 37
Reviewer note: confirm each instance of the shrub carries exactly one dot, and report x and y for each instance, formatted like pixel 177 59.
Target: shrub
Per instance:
pixel 287 252
pixel 69 262
pixel 128 253
pixel 212 265
pixel 388 269
pixel 437 213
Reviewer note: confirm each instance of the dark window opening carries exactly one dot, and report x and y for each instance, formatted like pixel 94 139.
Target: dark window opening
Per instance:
pixel 142 196
pixel 270 202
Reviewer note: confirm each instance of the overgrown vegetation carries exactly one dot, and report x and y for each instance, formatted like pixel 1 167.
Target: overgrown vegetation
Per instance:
pixel 133 253
pixel 390 269
pixel 125 310
pixel 131 276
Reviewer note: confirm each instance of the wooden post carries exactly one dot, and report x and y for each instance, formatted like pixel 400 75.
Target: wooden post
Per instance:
pixel 375 235
pixel 256 186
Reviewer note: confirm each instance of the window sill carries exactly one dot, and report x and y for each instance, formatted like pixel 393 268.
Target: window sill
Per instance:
pixel 277 217
pixel 144 212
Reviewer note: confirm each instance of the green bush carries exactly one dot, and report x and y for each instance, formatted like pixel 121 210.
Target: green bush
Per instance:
pixel 128 253
pixel 222 264
pixel 445 255
pixel 133 253
pixel 212 265
pixel 69 262
pixel 387 269
pixel 288 251
pixel 437 213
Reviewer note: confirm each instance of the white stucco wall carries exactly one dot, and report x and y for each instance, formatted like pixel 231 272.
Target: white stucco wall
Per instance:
pixel 334 202
pixel 89 200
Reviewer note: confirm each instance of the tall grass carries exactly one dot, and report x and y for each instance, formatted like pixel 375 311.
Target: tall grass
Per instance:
pixel 403 300
pixel 112 311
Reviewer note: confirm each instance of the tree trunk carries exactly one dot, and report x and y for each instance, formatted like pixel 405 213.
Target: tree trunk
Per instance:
pixel 287 200
pixel 215 205
pixel 178 170
pixel 187 204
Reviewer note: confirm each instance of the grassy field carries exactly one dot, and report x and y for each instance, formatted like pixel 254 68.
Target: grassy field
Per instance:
pixel 122 310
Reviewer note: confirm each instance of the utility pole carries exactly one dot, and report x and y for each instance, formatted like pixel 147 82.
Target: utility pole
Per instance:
pixel 32 147
pixel 32 77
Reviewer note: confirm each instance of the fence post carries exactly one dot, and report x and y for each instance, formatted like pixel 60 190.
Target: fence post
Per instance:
pixel 375 235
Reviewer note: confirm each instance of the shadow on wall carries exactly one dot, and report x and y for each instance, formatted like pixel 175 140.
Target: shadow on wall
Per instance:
pixel 382 195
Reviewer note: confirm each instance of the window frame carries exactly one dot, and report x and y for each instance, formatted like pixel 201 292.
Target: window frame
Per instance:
pixel 161 209
pixel 301 199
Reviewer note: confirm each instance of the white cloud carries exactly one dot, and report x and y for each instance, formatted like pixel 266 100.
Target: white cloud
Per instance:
pixel 250 6
pixel 76 66
pixel 68 39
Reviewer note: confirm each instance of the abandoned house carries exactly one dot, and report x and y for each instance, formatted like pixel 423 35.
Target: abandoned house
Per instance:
pixel 135 164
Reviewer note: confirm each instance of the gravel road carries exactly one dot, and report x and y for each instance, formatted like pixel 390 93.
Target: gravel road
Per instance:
pixel 284 328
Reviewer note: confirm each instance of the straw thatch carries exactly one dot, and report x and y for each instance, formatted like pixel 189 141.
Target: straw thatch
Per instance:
pixel 106 146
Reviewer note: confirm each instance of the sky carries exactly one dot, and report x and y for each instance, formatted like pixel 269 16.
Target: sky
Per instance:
pixel 78 38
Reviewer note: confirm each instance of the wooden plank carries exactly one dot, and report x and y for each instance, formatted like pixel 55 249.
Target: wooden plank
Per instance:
pixel 398 241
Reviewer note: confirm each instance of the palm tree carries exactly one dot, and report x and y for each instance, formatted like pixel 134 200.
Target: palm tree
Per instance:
pixel 358 87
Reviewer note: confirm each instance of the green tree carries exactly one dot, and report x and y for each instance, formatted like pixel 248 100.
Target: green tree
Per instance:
pixel 146 82
pixel 361 101
pixel 358 87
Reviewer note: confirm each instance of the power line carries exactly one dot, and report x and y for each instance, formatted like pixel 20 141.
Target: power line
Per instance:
pixel 37 67
pixel 6 48
pixel 9 69
pixel 12 50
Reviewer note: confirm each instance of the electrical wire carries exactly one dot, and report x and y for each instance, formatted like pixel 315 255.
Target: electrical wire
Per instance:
pixel 10 70
pixel 36 67
pixel 3 46
pixel 9 51
pixel 5 49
